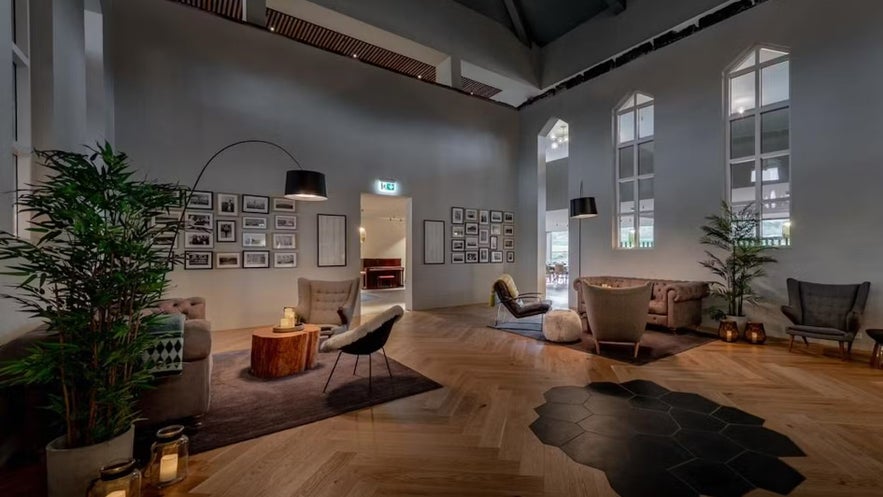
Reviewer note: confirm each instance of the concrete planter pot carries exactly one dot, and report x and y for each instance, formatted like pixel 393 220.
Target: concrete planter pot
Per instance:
pixel 69 471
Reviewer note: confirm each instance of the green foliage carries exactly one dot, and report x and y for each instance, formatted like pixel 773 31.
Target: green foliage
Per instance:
pixel 90 270
pixel 742 256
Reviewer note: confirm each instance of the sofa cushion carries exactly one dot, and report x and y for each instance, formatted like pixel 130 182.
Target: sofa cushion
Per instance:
pixel 658 306
pixel 818 332
pixel 660 291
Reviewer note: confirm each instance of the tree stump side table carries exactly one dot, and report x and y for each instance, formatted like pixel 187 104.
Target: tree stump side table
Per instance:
pixel 275 355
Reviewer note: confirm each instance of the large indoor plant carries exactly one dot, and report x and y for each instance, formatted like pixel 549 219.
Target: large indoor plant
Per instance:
pixel 89 269
pixel 738 261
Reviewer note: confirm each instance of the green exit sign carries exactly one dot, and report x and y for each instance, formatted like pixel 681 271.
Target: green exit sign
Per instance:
pixel 388 186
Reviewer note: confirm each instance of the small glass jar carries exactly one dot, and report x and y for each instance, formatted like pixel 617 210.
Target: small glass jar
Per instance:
pixel 118 479
pixel 169 456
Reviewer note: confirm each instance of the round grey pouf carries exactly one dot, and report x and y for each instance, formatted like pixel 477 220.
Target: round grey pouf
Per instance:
pixel 562 325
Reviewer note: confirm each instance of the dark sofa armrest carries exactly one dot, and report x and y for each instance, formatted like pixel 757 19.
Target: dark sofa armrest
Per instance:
pixel 683 292
pixel 791 314
pixel 197 340
pixel 854 321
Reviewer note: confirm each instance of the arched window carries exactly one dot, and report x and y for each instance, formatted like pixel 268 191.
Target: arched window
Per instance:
pixel 634 172
pixel 758 132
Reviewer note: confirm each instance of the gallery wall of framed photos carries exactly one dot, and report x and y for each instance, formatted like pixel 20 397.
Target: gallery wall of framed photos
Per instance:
pixel 236 231
pixel 480 236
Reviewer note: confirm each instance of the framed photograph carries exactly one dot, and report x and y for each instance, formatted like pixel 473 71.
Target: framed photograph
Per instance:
pixel 508 244
pixel 471 243
pixel 254 223
pixel 197 260
pixel 331 240
pixel 198 239
pixel 200 200
pixel 433 241
pixel 471 257
pixel 225 231
pixel 458 245
pixel 256 203
pixel 508 230
pixel 484 217
pixel 284 241
pixel 166 240
pixel 484 255
pixel 483 237
pixel 284 205
pixel 471 215
pixel 286 223
pixel 510 257
pixel 255 258
pixel 284 259
pixel 228 204
pixel 458 231
pixel 471 228
pixel 508 217
pixel 496 229
pixel 228 260
pixel 458 257
pixel 496 257
pixel 457 215
pixel 198 221
pixel 494 241
pixel 496 216
pixel 254 240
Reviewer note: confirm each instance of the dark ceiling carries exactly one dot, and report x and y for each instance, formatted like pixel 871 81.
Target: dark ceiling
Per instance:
pixel 542 21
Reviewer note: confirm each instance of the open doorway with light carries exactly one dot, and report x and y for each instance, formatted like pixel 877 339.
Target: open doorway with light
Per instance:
pixel 554 143
pixel 385 249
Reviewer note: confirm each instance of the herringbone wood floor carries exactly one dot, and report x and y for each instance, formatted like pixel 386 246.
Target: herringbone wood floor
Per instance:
pixel 471 438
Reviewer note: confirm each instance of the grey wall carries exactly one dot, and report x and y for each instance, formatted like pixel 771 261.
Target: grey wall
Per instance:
pixel 836 69
pixel 556 185
pixel 206 82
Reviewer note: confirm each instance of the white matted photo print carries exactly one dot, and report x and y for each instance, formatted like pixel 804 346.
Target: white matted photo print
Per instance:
pixel 255 258
pixel 256 203
pixel 202 200
pixel 284 259
pixel 197 260
pixel 228 204
pixel 286 223
pixel 254 223
pixel 198 221
pixel 284 205
pixel 225 230
pixel 199 239
pixel 284 241
pixel 228 260
pixel 254 240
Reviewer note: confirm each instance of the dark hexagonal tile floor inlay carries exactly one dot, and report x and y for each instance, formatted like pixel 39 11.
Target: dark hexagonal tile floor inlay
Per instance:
pixel 649 440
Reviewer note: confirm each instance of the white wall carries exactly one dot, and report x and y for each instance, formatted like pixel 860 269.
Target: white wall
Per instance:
pixel 385 238
pixel 836 69
pixel 206 82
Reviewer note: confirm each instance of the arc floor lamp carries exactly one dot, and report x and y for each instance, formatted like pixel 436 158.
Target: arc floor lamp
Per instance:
pixel 581 208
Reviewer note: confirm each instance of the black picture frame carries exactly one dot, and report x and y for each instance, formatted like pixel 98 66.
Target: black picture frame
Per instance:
pixel 458 257
pixel 245 256
pixel 510 256
pixel 496 216
pixel 218 223
pixel 484 217
pixel 327 241
pixel 201 206
pixel 471 229
pixel 208 253
pixel 484 255
pixel 471 215
pixel 457 215
pixel 496 257
pixel 458 245
pixel 471 256
pixel 252 210
pixel 433 241
pixel 509 217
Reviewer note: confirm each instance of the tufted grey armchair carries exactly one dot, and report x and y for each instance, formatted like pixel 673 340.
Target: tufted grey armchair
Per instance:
pixel 329 304
pixel 826 312
pixel 617 315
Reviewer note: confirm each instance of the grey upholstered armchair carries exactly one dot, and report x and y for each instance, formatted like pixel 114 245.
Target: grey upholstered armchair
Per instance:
pixel 826 312
pixel 330 304
pixel 617 315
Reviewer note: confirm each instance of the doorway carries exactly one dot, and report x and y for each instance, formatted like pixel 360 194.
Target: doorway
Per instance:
pixel 385 248
pixel 554 142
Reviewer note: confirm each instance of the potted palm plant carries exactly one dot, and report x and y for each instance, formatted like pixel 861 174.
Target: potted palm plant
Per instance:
pixel 89 270
pixel 738 260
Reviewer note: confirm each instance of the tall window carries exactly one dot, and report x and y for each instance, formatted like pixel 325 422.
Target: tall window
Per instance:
pixel 758 129
pixel 634 172
pixel 21 112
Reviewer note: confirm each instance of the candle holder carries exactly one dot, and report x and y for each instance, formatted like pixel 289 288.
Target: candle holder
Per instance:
pixel 728 331
pixel 119 478
pixel 755 333
pixel 169 456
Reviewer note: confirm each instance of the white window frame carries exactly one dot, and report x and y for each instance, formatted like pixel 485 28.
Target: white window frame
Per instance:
pixel 21 140
pixel 635 144
pixel 758 157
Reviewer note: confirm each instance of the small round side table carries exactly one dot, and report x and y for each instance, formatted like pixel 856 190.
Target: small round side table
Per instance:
pixel 877 353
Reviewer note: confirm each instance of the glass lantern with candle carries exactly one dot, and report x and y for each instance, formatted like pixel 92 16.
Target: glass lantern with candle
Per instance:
pixel 169 456
pixel 117 479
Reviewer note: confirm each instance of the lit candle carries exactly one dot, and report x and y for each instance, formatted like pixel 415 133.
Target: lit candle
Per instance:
pixel 289 312
pixel 168 468
pixel 117 493
pixel 283 323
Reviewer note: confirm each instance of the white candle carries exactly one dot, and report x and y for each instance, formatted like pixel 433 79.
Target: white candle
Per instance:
pixel 283 323
pixel 168 468
pixel 117 493
pixel 289 312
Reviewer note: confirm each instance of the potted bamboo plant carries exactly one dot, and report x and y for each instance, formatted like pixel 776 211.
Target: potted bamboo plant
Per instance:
pixel 736 257
pixel 89 270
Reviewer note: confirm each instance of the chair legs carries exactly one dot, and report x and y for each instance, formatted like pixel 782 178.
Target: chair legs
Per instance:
pixel 388 370
pixel 356 365
pixel 875 356
pixel 637 349
pixel 332 371
pixel 791 343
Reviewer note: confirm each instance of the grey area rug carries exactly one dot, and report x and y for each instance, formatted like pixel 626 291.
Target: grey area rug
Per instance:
pixel 244 407
pixel 655 344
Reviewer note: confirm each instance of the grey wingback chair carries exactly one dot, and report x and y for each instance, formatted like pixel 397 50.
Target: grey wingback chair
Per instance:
pixel 617 315
pixel 330 304
pixel 826 312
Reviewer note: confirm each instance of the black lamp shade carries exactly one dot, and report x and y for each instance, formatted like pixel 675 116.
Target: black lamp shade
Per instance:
pixel 305 185
pixel 583 207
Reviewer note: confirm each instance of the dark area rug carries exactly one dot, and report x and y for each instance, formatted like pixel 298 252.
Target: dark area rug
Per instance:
pixel 244 407
pixel 655 345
